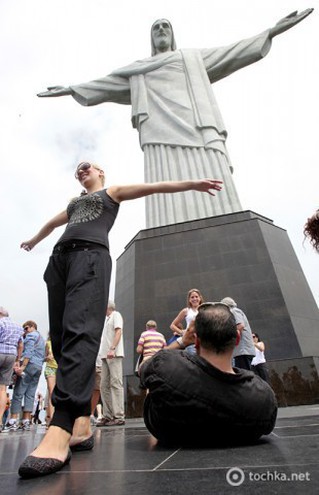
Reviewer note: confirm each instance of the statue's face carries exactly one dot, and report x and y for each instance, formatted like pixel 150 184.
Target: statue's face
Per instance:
pixel 162 35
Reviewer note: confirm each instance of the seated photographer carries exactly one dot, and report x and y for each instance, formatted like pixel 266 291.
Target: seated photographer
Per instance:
pixel 201 399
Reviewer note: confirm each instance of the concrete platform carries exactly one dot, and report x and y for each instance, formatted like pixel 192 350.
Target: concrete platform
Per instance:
pixel 127 461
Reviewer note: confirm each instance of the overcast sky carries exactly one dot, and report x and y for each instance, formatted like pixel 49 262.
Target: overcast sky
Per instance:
pixel 270 110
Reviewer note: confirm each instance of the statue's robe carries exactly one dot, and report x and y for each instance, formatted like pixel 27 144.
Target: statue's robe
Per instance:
pixel 180 126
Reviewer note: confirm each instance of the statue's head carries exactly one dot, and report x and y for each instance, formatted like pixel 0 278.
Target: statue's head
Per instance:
pixel 162 37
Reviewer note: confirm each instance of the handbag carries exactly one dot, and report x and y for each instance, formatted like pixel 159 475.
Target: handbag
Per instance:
pixel 138 363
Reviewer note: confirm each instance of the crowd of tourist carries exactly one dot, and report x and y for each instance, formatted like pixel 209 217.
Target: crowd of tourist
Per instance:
pixel 24 355
pixel 213 371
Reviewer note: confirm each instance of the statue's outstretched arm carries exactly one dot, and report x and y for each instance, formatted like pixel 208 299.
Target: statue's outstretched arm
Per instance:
pixel 288 22
pixel 56 91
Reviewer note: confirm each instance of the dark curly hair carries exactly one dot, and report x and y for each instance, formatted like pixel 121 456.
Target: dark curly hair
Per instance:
pixel 311 230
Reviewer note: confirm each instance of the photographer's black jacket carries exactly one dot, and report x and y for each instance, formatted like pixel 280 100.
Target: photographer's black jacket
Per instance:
pixel 192 402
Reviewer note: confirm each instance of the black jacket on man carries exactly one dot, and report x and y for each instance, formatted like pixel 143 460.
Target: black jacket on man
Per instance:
pixel 192 402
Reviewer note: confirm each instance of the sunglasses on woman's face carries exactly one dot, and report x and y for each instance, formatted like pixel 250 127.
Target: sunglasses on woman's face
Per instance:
pixel 83 167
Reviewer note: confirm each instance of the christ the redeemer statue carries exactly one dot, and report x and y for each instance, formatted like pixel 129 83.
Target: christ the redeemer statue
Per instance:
pixel 175 112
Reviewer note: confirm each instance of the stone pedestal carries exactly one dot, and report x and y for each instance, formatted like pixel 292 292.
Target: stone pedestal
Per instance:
pixel 295 381
pixel 242 255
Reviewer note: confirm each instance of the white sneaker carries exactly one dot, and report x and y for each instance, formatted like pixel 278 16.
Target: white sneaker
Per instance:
pixel 26 426
pixel 10 427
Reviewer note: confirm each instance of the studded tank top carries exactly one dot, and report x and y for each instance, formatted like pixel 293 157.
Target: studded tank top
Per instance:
pixel 91 218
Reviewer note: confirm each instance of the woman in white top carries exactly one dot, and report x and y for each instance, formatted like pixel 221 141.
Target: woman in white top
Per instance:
pixel 258 364
pixel 188 314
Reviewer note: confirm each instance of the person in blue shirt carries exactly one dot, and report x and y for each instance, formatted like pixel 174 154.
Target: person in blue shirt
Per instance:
pixel 28 376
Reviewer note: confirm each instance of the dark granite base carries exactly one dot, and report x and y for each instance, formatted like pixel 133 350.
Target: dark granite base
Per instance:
pixel 295 381
pixel 135 396
pixel 242 255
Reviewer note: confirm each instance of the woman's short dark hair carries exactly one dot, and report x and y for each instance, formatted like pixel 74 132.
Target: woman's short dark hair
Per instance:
pixel 30 323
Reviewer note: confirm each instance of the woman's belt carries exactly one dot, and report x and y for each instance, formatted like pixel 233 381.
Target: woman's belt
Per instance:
pixel 70 246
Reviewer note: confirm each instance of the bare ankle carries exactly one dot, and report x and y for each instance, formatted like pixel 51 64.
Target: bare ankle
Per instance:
pixel 82 428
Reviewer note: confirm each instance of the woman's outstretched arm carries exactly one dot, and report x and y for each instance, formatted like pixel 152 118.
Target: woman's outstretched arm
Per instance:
pixel 134 191
pixel 46 230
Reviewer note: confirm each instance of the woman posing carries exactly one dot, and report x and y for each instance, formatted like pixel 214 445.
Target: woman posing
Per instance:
pixel 188 314
pixel 77 278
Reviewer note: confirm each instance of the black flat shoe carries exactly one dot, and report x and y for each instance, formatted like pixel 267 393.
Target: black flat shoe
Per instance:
pixel 32 467
pixel 87 444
